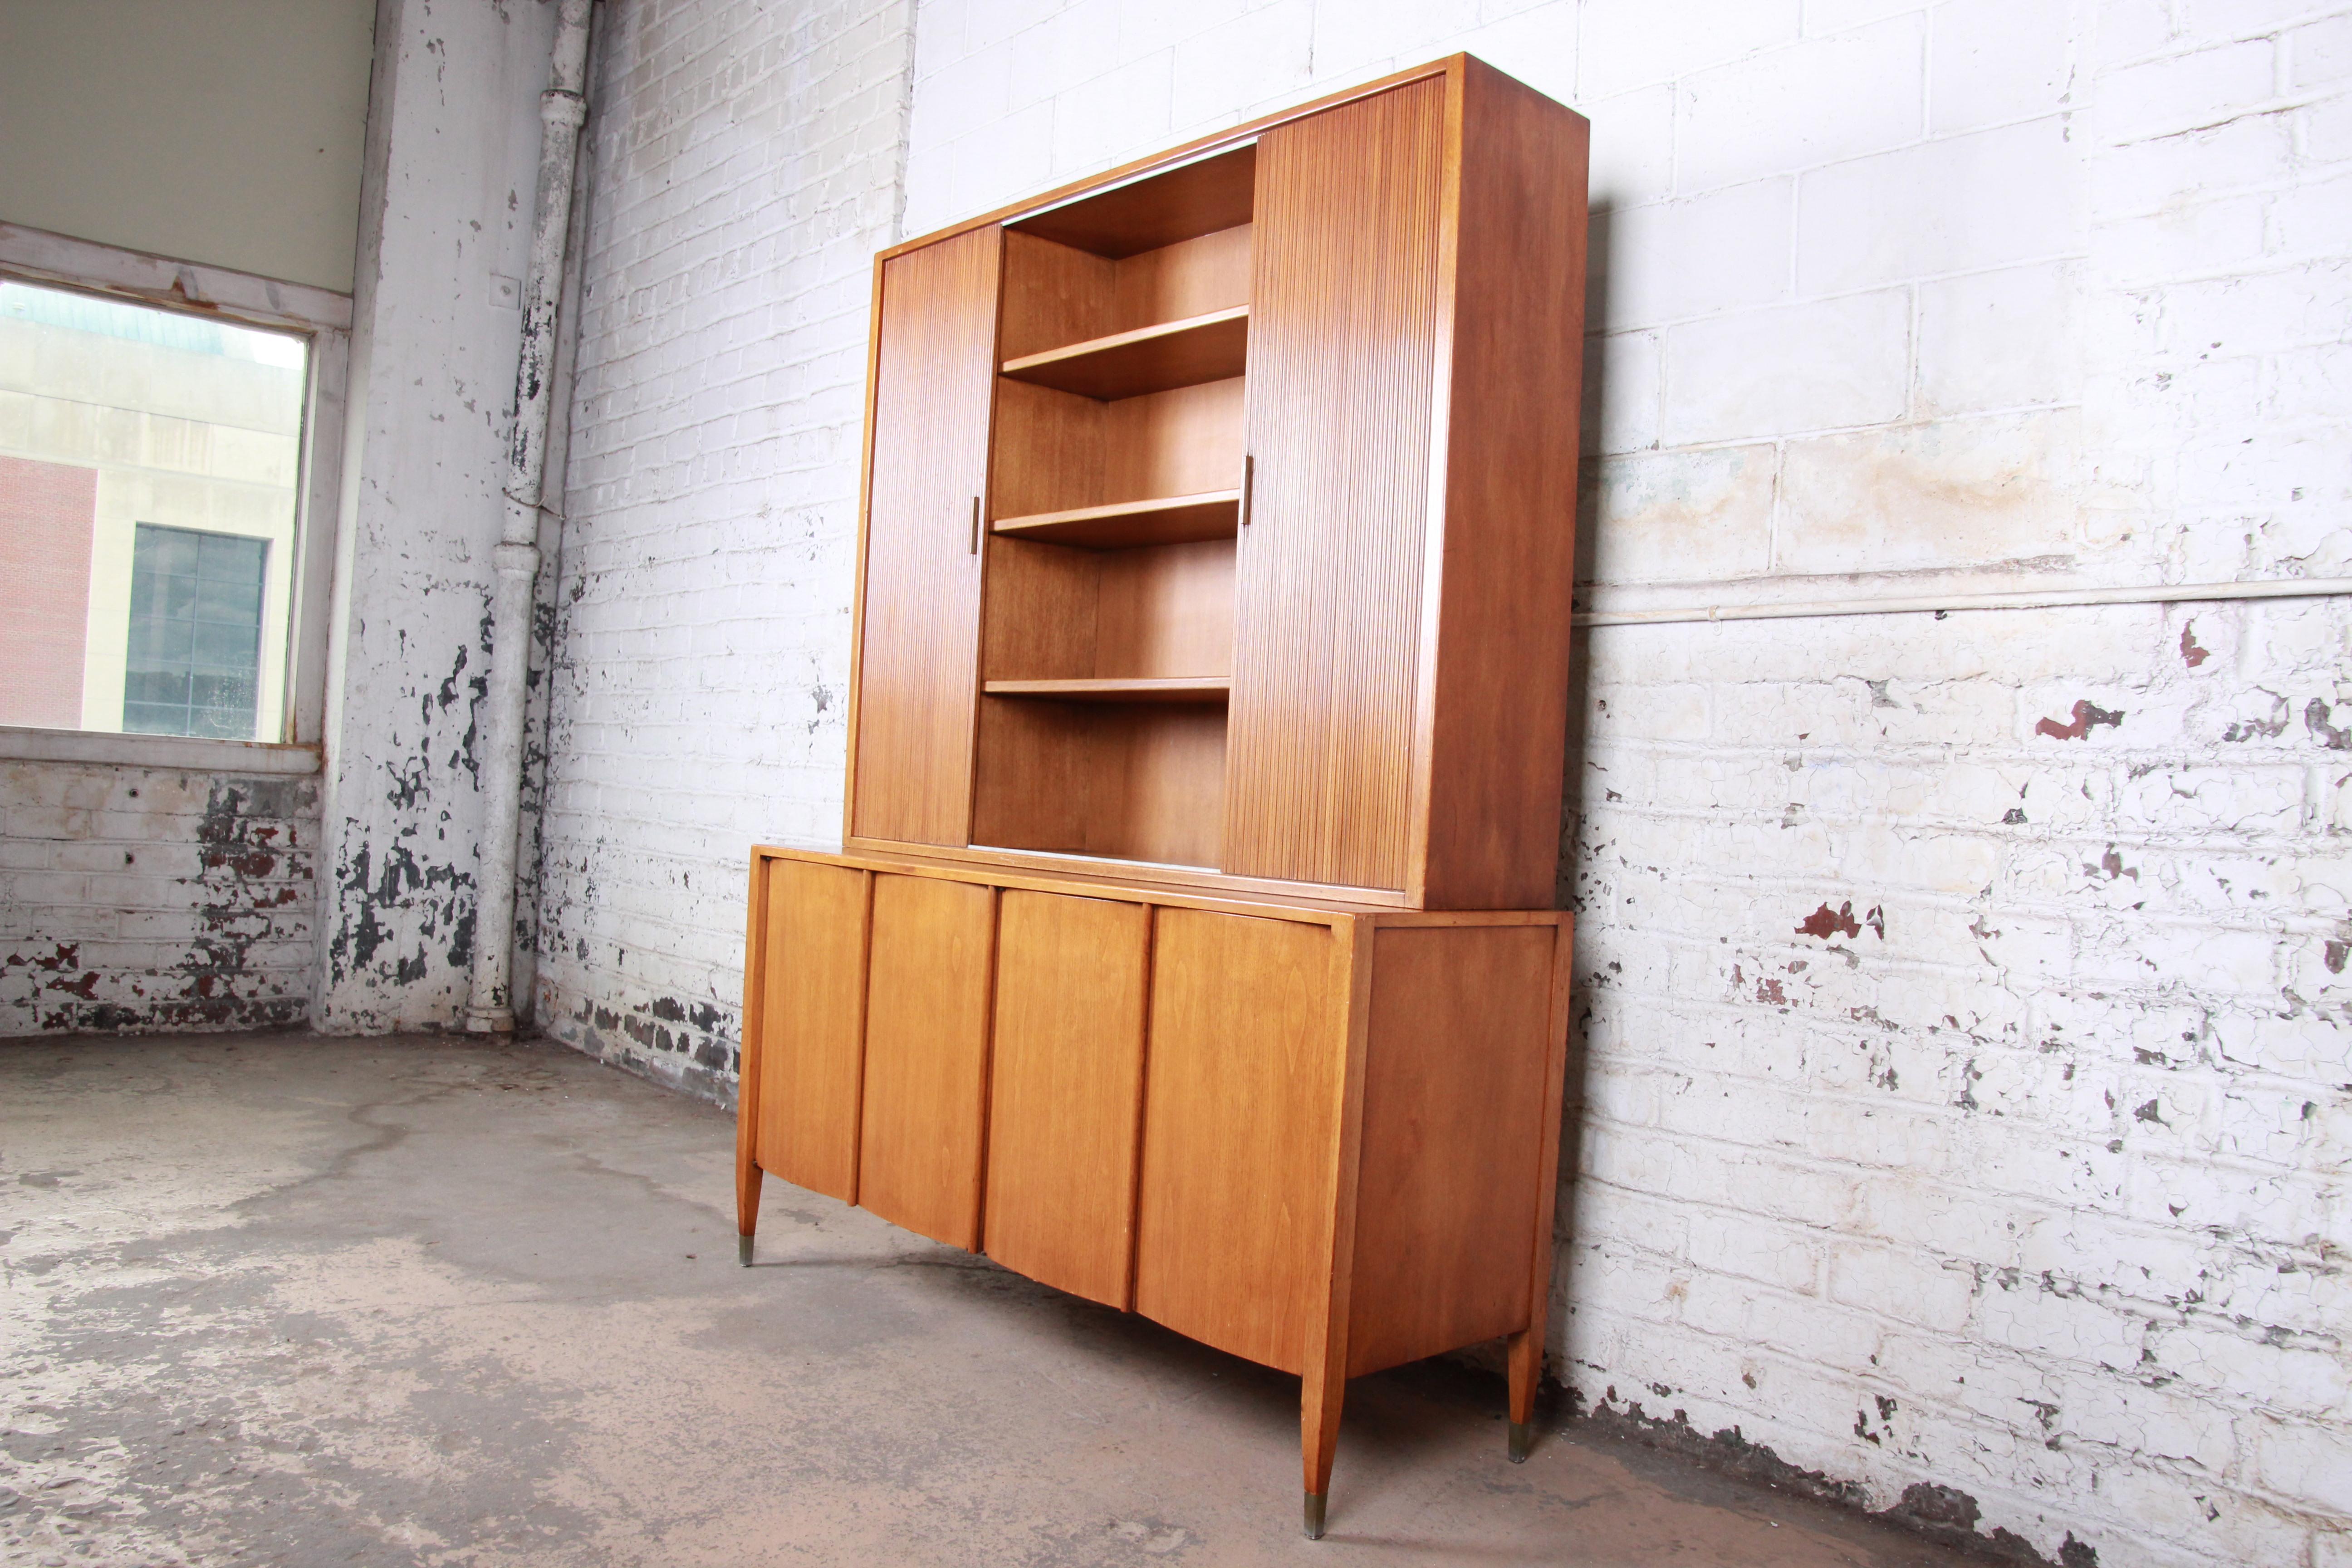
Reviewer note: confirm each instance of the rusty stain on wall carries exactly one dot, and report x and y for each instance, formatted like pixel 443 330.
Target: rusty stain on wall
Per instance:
pixel 2087 716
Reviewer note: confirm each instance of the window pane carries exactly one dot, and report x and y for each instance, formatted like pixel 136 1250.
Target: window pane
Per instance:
pixel 224 558
pixel 184 676
pixel 132 434
pixel 238 603
pixel 225 646
pixel 157 685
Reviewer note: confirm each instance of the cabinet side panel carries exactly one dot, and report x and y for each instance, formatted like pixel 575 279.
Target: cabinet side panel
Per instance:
pixel 1065 1080
pixel 812 1025
pixel 1455 1095
pixel 926 1055
pixel 1344 313
pixel 1500 702
pixel 935 373
pixel 1240 1123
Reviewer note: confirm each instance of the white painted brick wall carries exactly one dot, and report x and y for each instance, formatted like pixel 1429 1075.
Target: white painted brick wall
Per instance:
pixel 143 899
pixel 1965 1103
pixel 438 322
pixel 746 163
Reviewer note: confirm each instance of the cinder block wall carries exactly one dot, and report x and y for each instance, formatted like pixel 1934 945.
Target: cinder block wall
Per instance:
pixel 1964 1010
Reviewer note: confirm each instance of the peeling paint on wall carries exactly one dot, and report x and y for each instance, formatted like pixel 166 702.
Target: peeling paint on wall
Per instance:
pixel 152 899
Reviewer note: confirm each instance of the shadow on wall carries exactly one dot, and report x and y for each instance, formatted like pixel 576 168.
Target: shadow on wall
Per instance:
pixel 1573 879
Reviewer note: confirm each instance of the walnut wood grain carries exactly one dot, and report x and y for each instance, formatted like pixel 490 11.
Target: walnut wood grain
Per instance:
pixel 1059 614
pixel 1241 1112
pixel 1122 688
pixel 1058 451
pixel 811 1027
pixel 1323 1385
pixel 1454 1107
pixel 747 1057
pixel 1141 781
pixel 1193 198
pixel 1327 616
pixel 926 1018
pixel 1497 693
pixel 1158 520
pixel 1525 1356
pixel 1210 347
pixel 1065 1086
pixel 918 636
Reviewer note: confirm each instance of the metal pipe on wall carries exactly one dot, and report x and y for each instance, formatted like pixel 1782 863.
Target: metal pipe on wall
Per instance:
pixel 563 110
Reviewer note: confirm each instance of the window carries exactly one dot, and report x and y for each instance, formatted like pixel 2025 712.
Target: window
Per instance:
pixel 157 469
pixel 194 658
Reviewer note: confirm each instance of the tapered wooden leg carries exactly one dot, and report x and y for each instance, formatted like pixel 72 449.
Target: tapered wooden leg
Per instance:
pixel 1322 1393
pixel 747 1082
pixel 747 1207
pixel 1527 1371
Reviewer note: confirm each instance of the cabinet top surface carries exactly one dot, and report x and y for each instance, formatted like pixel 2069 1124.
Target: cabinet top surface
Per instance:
pixel 1315 911
pixel 1451 64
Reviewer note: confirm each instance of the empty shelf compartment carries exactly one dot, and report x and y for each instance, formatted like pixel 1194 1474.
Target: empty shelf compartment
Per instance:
pixel 1198 348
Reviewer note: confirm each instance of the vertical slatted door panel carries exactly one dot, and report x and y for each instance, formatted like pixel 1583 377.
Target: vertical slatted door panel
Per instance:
pixel 1241 1128
pixel 935 374
pixel 1344 316
pixel 919 1162
pixel 1065 1079
pixel 812 1026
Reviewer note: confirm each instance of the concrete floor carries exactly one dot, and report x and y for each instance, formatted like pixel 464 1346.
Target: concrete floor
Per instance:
pixel 280 1299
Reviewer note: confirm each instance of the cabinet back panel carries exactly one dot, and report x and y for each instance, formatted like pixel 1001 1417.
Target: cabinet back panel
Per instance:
pixel 1127 781
pixel 812 1026
pixel 1059 612
pixel 1056 296
pixel 1191 278
pixel 1240 1128
pixel 1040 616
pixel 920 624
pixel 1053 297
pixel 1050 451
pixel 1455 1072
pixel 1345 316
pixel 1066 1083
pixel 927 1013
pixel 1176 443
pixel 1166 610
pixel 1057 451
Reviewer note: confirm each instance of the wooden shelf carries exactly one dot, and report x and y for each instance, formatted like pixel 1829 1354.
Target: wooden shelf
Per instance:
pixel 1196 689
pixel 1150 359
pixel 1163 519
pixel 1174 204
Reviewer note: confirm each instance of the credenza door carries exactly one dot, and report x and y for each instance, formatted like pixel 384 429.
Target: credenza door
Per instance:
pixel 918 634
pixel 1345 313
pixel 813 1025
pixel 921 1140
pixel 1065 1086
pixel 1241 1132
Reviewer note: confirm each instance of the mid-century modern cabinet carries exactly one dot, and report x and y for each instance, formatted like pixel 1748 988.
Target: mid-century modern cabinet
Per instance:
pixel 1193 949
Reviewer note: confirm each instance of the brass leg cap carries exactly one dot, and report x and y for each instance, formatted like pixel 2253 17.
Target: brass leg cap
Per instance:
pixel 1313 1517
pixel 1523 1437
pixel 744 1250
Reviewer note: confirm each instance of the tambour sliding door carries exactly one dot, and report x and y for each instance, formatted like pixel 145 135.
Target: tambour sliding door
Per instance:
pixel 1345 315
pixel 918 670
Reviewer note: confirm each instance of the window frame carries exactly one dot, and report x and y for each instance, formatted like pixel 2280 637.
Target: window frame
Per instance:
pixel 219 294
